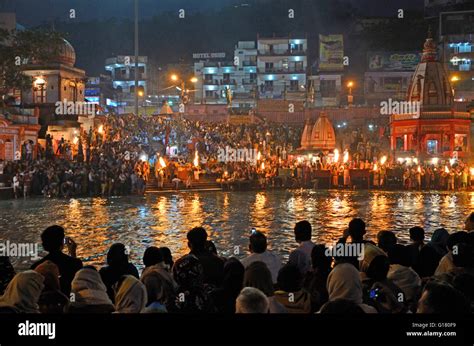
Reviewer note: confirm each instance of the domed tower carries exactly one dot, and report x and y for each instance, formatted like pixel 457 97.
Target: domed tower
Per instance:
pixel 66 54
pixel 323 136
pixel 430 83
pixel 436 129
pixel 306 136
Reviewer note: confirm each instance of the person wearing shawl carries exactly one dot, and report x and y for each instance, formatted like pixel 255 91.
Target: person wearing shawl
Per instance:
pixel 439 241
pixel 117 266
pixel 344 283
pixel 22 293
pixel 373 273
pixel 291 293
pixel 52 300
pixel 224 297
pixel 446 264
pixel 192 294
pixel 6 273
pixel 160 286
pixel 403 276
pixel 89 294
pixel 131 296
pixel 258 275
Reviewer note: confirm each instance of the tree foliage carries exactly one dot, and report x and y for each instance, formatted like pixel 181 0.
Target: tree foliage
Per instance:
pixel 20 48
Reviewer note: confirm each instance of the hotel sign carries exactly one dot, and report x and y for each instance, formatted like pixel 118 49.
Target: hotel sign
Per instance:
pixel 220 55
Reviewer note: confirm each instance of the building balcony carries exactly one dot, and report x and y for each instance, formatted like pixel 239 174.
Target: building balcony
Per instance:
pixel 211 82
pixel 281 70
pixel 249 81
pixel 266 52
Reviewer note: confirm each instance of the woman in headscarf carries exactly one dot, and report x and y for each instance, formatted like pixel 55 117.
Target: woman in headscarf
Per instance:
pixel 344 283
pixel 403 276
pixel 439 241
pixel 131 295
pixel 379 291
pixel 52 300
pixel 6 273
pixel 22 293
pixel 117 266
pixel 192 294
pixel 258 275
pixel 89 294
pixel 224 297
pixel 160 286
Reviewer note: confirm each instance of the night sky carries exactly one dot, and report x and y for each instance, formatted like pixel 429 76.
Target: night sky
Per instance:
pixel 35 12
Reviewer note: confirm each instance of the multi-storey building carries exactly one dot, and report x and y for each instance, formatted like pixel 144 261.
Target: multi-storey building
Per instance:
pixel 271 68
pixel 281 68
pixel 122 72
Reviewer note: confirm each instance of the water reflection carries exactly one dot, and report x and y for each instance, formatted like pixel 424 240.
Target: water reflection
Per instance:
pixel 164 220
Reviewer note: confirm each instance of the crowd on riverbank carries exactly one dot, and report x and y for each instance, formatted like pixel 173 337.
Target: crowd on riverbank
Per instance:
pixel 120 157
pixel 354 276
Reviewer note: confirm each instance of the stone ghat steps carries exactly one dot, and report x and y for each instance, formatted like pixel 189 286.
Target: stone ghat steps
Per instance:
pixel 203 184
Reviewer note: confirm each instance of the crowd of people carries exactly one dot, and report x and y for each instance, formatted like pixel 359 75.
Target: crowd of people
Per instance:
pixel 125 153
pixel 435 276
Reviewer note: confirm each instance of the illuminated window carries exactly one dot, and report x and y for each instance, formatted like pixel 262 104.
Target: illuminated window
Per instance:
pixel 460 142
pixel 432 146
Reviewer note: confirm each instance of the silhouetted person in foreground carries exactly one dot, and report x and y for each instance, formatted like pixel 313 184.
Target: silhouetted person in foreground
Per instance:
pixel 53 240
pixel 212 265
pixel 118 265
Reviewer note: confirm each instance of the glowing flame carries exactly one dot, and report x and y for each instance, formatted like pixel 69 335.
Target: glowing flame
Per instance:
pixel 471 170
pixel 375 167
pixel 415 160
pixel 336 155
pixel 101 129
pixel 383 160
pixel 162 162
pixel 263 165
pixel 259 156
pixel 446 169
pixel 75 140
pixel 452 161
pixel 346 156
pixel 435 161
pixel 419 169
pixel 196 159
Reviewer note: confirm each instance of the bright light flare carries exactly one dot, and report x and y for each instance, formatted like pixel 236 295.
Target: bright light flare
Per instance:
pixel 336 155
pixel 162 162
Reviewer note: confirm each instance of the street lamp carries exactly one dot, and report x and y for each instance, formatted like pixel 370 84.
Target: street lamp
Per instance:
pixel 454 79
pixel 183 91
pixel 350 98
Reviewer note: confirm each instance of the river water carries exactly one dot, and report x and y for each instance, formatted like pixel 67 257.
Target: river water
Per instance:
pixel 163 220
